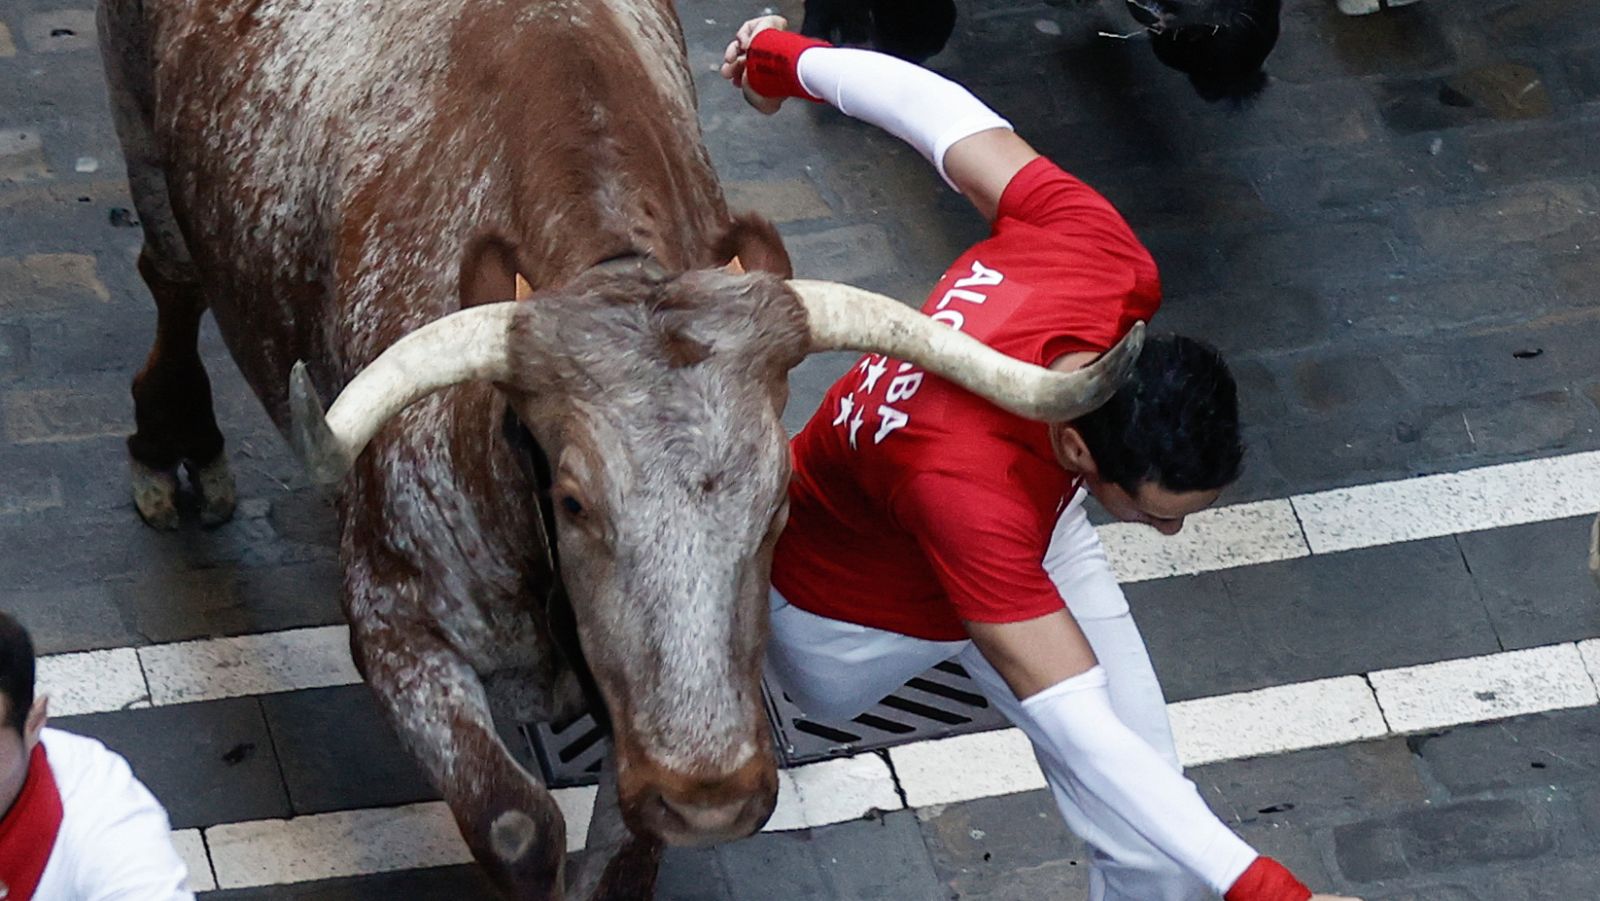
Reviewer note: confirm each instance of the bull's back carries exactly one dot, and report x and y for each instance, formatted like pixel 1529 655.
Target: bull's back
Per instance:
pixel 330 159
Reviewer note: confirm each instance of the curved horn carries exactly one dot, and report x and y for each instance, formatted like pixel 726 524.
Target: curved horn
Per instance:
pixel 463 346
pixel 844 317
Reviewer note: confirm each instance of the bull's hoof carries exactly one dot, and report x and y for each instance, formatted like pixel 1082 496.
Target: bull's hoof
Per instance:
pixel 214 483
pixel 155 494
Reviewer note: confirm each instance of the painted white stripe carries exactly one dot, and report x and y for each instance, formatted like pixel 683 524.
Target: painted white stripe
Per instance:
pixel 1452 503
pixel 248 665
pixel 577 808
pixel 92 681
pixel 1325 712
pixel 966 767
pixel 832 791
pixel 1497 686
pixel 1240 535
pixel 192 848
pixel 1275 720
pixel 330 845
pixel 1590 651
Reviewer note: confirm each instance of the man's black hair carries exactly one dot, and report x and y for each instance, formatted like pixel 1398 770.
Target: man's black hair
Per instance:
pixel 1174 423
pixel 16 672
pixel 1220 44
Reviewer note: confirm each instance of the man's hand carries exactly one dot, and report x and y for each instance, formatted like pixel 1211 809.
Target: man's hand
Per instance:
pixel 733 60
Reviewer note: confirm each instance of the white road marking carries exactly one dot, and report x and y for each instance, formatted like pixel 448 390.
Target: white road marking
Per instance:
pixel 92 681
pixel 1433 695
pixel 1275 720
pixel 1239 535
pixel 248 665
pixel 192 848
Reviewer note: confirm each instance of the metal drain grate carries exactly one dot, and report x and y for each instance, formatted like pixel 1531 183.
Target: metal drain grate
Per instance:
pixel 939 703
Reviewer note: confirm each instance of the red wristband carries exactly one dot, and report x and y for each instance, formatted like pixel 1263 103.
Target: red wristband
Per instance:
pixel 1267 880
pixel 772 63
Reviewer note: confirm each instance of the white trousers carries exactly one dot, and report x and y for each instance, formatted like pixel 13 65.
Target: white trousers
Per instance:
pixel 835 670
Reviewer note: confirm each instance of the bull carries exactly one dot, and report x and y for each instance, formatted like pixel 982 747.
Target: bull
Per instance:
pixel 580 488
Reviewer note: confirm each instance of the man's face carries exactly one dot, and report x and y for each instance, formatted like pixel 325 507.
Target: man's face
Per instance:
pixel 13 759
pixel 1157 507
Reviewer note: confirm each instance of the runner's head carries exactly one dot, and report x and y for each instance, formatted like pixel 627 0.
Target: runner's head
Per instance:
pixel 1219 44
pixel 21 716
pixel 1167 442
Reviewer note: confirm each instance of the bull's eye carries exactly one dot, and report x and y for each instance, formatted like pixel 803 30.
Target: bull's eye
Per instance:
pixel 572 506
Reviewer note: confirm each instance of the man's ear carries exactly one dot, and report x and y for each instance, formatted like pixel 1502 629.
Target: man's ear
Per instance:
pixel 38 715
pixel 1071 451
pixel 756 244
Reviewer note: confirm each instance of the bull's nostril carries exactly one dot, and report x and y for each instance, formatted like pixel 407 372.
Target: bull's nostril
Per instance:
pixel 703 819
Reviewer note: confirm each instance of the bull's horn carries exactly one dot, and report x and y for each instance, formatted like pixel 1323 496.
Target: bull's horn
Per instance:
pixel 463 346
pixel 848 318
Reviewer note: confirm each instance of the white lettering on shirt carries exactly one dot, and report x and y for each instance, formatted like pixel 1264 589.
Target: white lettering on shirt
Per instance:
pixel 908 380
pixel 902 387
pixel 889 419
pixel 981 276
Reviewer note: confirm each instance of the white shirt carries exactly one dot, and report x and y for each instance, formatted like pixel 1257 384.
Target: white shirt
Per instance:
pixel 115 842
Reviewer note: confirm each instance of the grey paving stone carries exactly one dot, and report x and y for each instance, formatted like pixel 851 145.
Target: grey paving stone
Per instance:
pixel 1533 583
pixel 1561 747
pixel 1308 790
pixel 338 753
pixel 692 874
pixel 178 603
pixel 1010 847
pixel 1447 837
pixel 80 618
pixel 768 863
pixel 209 763
pixel 15 346
pixel 463 883
pixel 1312 618
pixel 877 859
pixel 1502 91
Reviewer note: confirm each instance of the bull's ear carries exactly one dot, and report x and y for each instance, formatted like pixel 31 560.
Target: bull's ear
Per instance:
pixel 755 243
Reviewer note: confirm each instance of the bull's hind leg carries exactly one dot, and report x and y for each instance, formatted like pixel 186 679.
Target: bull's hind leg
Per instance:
pixel 437 705
pixel 171 394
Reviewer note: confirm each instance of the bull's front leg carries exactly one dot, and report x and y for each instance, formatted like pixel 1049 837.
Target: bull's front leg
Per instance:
pixel 617 865
pixel 437 705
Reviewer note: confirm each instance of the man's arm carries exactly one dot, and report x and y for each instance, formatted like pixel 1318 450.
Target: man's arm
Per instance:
pixel 1048 664
pixel 972 147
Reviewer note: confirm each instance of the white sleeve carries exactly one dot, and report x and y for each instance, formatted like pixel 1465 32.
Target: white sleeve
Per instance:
pixel 116 833
pixel 922 108
pixel 1117 766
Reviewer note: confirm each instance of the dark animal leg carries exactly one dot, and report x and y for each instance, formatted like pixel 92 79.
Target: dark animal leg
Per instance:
pixel 437 706
pixel 617 865
pixel 838 21
pixel 171 395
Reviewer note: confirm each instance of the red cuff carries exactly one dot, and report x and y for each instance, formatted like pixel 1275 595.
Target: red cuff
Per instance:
pixel 1267 880
pixel 772 63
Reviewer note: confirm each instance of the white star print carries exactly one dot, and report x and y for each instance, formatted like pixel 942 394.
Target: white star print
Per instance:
pixel 846 404
pixel 874 372
pixel 855 426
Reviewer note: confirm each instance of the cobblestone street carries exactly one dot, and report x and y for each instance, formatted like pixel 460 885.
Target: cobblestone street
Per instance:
pixel 1398 248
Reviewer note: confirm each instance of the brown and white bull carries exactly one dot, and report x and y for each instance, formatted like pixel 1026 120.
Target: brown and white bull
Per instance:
pixel 358 184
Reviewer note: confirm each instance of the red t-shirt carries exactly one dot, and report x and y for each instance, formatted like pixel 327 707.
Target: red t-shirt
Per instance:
pixel 914 504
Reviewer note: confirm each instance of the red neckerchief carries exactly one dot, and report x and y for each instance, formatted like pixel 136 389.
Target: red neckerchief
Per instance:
pixel 28 831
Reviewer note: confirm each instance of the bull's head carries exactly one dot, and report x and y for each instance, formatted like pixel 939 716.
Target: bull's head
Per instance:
pixel 657 399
